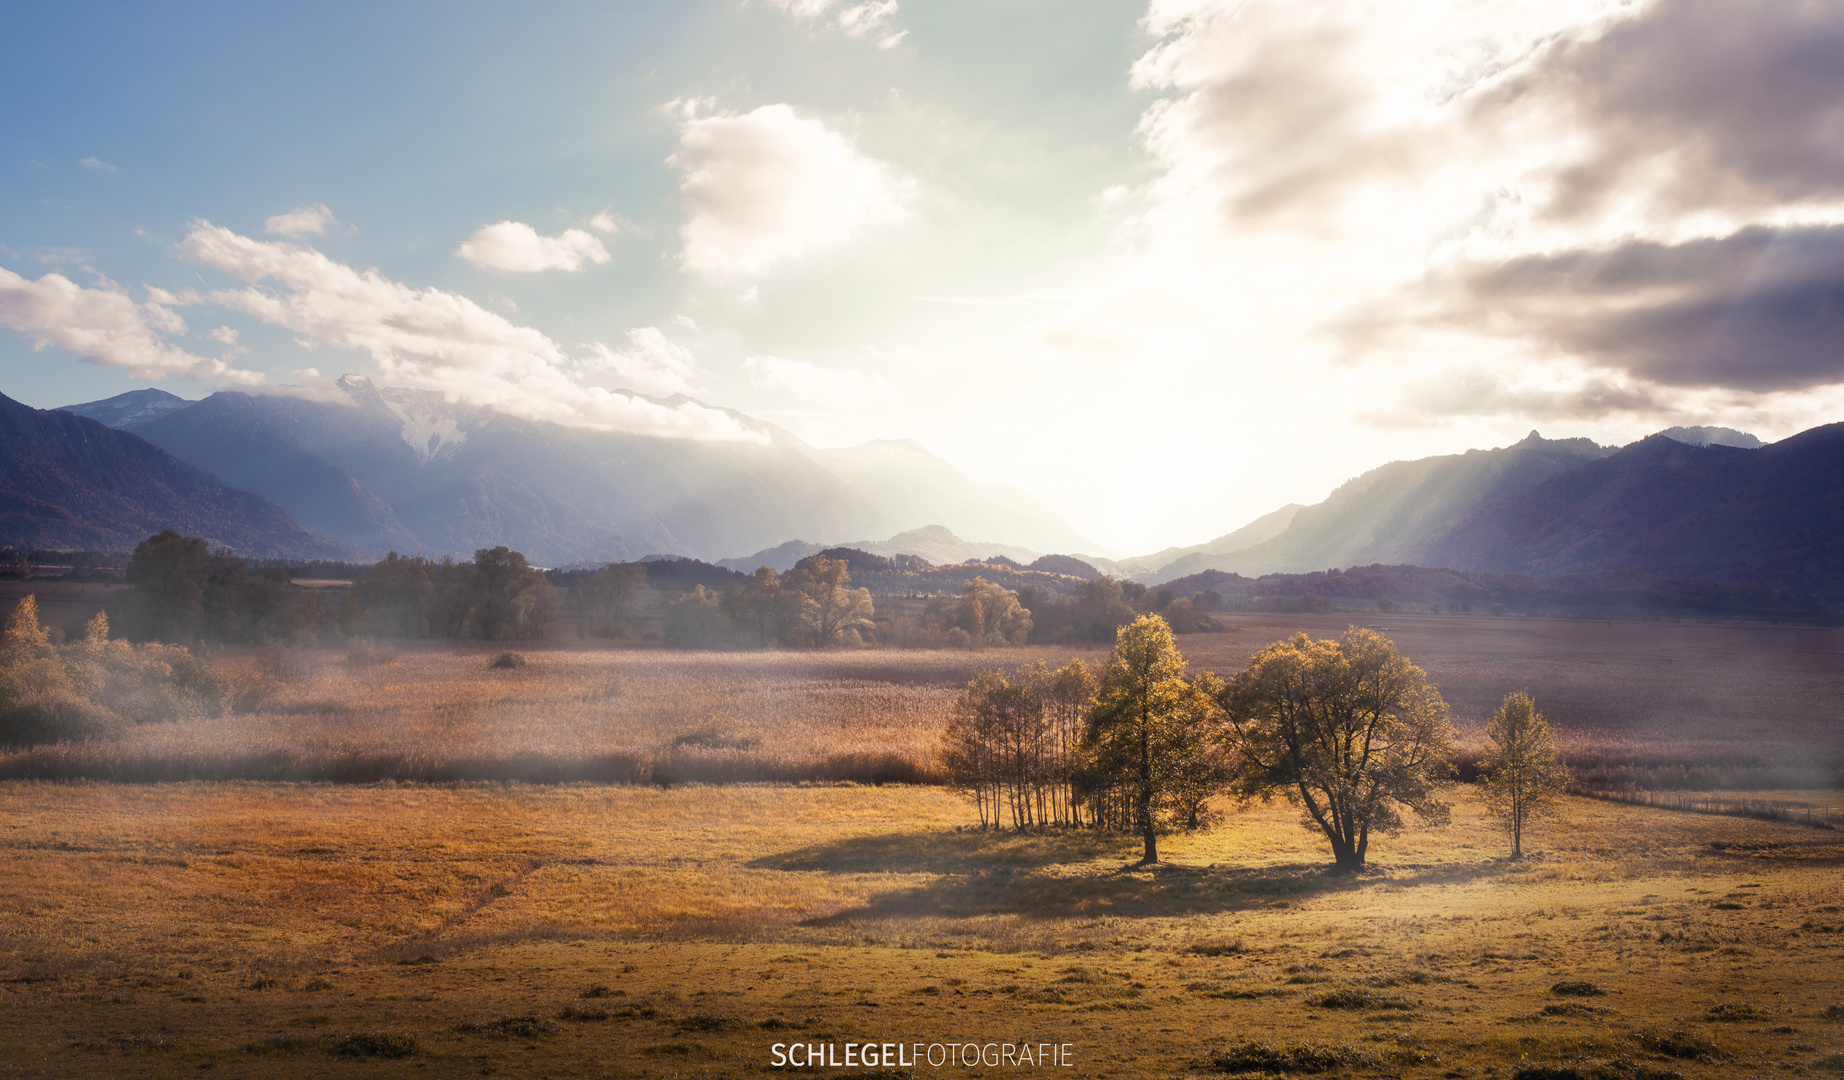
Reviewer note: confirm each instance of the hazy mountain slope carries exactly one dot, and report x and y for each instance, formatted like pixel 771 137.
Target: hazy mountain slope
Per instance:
pixel 914 488
pixel 232 438
pixel 69 481
pixel 1377 516
pixel 409 470
pixel 935 543
pixel 1178 562
pixel 1712 436
pixel 1773 516
pixel 134 407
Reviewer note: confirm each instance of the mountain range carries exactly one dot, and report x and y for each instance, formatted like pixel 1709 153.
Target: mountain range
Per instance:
pixel 381 469
pixel 360 470
pixel 71 482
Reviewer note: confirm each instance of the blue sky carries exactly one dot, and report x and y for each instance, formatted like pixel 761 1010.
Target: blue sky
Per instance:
pixel 1167 266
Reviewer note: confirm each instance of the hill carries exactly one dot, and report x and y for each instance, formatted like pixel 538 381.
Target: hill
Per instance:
pixel 67 481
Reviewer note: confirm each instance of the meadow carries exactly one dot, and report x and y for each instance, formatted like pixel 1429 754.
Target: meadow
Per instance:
pixel 621 861
pixel 596 930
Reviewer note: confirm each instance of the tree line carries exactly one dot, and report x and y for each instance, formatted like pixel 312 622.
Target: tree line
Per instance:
pixel 181 590
pixel 1347 730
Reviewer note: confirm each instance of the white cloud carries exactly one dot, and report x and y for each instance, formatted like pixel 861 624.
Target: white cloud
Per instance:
pixel 301 222
pixel 864 19
pixel 809 382
pixel 767 186
pixel 431 338
pixel 224 335
pixel 516 247
pixel 105 326
pixel 651 363
pixel 604 222
pixel 98 164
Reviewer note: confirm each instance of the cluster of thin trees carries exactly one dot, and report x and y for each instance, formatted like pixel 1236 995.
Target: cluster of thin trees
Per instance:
pixel 1348 730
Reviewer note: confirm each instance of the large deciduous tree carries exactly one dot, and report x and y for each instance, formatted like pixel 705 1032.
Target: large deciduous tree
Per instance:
pixel 1152 742
pixel 834 613
pixel 1520 773
pixel 1349 730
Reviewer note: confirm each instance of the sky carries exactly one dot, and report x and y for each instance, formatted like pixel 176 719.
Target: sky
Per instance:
pixel 1167 266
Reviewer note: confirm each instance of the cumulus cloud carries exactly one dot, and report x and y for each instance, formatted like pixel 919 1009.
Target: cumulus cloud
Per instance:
pixel 301 222
pixel 767 186
pixel 809 382
pixel 516 247
pixel 869 18
pixel 105 326
pixel 651 363
pixel 431 338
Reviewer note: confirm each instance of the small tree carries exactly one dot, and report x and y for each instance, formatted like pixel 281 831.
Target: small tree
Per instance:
pixel 1521 773
pixel 1149 734
pixel 1348 730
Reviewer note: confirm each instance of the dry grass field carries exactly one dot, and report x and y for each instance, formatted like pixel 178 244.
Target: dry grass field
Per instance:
pixel 590 930
pixel 434 912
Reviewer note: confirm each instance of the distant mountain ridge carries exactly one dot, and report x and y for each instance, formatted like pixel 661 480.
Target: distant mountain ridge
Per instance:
pixel 935 543
pixel 68 481
pixel 383 469
pixel 1774 516
pixel 1374 517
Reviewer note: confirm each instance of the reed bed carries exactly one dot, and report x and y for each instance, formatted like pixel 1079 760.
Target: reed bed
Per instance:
pixel 1636 706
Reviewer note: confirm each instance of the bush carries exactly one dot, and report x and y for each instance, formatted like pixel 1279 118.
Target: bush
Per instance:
pixel 1577 988
pixel 1677 1044
pixel 384 1044
pixel 95 688
pixel 1283 1058
pixel 507 660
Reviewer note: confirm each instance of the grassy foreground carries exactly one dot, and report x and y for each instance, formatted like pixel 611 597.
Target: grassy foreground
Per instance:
pixel 315 930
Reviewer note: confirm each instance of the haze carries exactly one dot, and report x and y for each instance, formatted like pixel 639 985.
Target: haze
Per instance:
pixel 1167 267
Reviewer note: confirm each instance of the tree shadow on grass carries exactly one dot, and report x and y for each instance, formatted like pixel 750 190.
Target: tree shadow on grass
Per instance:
pixel 1075 875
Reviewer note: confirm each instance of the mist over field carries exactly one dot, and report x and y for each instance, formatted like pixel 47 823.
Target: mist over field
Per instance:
pixel 1156 537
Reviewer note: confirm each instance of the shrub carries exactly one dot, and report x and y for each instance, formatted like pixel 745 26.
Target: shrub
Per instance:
pixel 1677 1044
pixel 95 688
pixel 384 1044
pixel 1283 1058
pixel 1577 988
pixel 507 660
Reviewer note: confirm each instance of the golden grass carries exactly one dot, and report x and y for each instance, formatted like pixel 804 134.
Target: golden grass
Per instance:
pixel 269 929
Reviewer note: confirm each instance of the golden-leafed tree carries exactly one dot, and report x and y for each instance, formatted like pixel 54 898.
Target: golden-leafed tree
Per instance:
pixel 1348 730
pixel 1521 773
pixel 1152 745
pixel 834 613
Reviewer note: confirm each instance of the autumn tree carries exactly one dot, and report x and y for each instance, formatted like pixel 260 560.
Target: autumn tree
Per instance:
pixel 1010 743
pixel 1348 730
pixel 833 612
pixel 765 604
pixel 395 595
pixel 1151 741
pixel 988 614
pixel 604 600
pixel 1520 773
